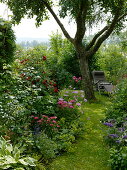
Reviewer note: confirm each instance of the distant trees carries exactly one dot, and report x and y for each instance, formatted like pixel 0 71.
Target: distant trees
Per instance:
pixel 34 43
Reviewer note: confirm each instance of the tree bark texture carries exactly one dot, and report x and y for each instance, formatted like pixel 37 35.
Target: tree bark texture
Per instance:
pixel 87 84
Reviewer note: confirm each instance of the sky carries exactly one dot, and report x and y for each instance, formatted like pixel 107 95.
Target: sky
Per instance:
pixel 28 29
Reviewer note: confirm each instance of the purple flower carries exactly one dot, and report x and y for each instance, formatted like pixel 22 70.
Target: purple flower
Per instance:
pixel 75 92
pixel 121 129
pixel 118 141
pixel 125 137
pixel 85 100
pixel 70 103
pixel 65 95
pixel 61 99
pixel 108 124
pixel 113 135
pixel 78 104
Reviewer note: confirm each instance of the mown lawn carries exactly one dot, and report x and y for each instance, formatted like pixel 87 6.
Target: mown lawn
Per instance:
pixel 90 152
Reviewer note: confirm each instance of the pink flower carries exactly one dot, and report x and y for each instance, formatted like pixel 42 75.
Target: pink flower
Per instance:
pixel 54 117
pixel 39 121
pixel 51 125
pixel 72 101
pixel 45 116
pixel 36 117
pixel 71 106
pixel 58 125
pixel 53 121
pixel 74 77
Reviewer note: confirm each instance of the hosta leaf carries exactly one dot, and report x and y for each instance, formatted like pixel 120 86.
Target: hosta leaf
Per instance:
pixel 5 166
pixel 16 153
pixel 9 160
pixel 9 147
pixel 22 161
pixel 30 161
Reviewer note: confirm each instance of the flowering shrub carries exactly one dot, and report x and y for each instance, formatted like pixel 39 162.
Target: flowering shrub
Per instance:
pixel 116 121
pixel 49 125
pixel 31 113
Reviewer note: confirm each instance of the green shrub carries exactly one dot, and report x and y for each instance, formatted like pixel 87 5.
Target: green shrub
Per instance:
pixel 112 60
pixel 46 146
pixel 7 43
pixel 119 107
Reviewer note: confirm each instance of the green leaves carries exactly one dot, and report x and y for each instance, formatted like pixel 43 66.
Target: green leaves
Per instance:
pixel 10 157
pixel 7 43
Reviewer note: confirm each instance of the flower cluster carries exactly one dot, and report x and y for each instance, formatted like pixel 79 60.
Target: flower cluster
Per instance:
pixel 45 121
pixel 119 128
pixel 69 104
pixel 108 124
pixel 40 79
pixel 23 61
pixel 76 79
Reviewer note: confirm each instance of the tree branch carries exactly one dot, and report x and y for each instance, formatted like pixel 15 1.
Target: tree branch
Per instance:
pixel 122 16
pixel 105 35
pixel 59 23
pixel 80 21
pixel 95 38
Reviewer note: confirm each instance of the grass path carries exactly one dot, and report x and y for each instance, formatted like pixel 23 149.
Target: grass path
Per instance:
pixel 90 152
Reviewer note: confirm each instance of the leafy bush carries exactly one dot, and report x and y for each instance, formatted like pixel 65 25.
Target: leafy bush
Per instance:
pixel 46 146
pixel 11 157
pixel 7 43
pixel 113 61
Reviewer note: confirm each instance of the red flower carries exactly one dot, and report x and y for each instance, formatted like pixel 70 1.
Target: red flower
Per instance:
pixel 28 78
pixel 44 81
pixel 56 90
pixel 22 75
pixel 37 80
pixel 44 57
pixel 33 82
pixel 54 85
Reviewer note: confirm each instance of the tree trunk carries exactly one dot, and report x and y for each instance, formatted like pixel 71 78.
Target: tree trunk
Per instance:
pixel 86 78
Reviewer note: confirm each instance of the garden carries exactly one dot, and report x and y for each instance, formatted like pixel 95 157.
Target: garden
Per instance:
pixel 47 122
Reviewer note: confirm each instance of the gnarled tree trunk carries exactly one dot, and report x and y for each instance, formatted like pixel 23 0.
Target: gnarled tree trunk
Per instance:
pixel 87 84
